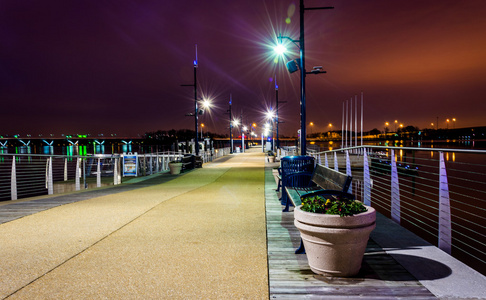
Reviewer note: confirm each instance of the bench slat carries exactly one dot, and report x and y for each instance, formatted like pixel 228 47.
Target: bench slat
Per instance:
pixel 330 179
pixel 329 182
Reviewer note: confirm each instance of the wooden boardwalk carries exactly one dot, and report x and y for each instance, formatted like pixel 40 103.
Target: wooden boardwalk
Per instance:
pixel 290 277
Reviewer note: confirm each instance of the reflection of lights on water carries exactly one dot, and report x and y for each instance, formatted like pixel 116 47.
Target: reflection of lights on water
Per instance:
pixel 452 156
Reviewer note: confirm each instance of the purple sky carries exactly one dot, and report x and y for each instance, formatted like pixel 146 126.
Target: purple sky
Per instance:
pixel 99 66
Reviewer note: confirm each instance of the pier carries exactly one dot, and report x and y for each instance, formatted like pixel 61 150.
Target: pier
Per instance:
pixel 212 233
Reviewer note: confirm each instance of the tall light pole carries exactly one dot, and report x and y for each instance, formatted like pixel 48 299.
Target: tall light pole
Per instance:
pixel 276 107
pixel 270 117
pixel 242 134
pixel 303 73
pixel 195 64
pixel 230 126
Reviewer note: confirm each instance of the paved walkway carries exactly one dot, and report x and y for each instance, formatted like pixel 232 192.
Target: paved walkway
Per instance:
pixel 199 236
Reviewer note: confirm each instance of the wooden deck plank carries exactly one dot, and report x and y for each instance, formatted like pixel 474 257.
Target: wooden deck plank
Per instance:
pixel 290 277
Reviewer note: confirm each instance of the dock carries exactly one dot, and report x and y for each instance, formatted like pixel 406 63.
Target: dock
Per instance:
pixel 212 233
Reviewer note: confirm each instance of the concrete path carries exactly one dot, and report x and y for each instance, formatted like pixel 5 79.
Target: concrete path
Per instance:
pixel 199 236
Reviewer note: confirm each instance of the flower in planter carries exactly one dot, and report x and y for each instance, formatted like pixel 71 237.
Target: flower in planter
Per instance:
pixel 332 205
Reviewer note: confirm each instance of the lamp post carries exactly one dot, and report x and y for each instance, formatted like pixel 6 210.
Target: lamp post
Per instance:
pixel 243 131
pixel 252 131
pixel 270 117
pixel 276 107
pixel 303 73
pixel 235 123
pixel 195 64
pixel 230 126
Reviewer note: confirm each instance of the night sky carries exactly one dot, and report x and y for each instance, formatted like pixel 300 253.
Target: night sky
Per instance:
pixel 116 67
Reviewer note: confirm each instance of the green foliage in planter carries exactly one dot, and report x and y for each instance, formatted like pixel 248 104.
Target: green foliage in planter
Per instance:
pixel 332 205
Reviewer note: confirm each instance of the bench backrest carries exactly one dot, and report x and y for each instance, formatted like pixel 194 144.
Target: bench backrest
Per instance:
pixel 293 164
pixel 331 179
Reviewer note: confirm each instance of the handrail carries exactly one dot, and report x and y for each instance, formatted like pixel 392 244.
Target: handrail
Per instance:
pixel 26 175
pixel 437 193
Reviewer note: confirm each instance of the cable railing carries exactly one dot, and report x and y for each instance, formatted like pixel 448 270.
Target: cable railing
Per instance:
pixel 439 194
pixel 30 175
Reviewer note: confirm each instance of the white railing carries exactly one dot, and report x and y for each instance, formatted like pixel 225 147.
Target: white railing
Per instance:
pixel 29 175
pixel 439 194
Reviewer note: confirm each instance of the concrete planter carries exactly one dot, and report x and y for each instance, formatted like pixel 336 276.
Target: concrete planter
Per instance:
pixel 271 159
pixel 335 245
pixel 175 168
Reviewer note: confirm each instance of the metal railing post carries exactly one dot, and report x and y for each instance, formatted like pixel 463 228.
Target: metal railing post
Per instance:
pixel 395 190
pixel 98 173
pixel 115 171
pixel 65 169
pixel 445 239
pixel 348 171
pixel 367 180
pixel 77 174
pixel 49 183
pixel 336 165
pixel 13 181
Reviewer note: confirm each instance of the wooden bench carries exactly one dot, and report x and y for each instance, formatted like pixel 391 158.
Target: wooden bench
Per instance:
pixel 187 162
pixel 198 161
pixel 291 172
pixel 324 181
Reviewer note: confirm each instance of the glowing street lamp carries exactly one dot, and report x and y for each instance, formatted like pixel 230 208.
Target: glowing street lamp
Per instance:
pixel 295 64
pixel 206 104
pixel 270 115
pixel 280 49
